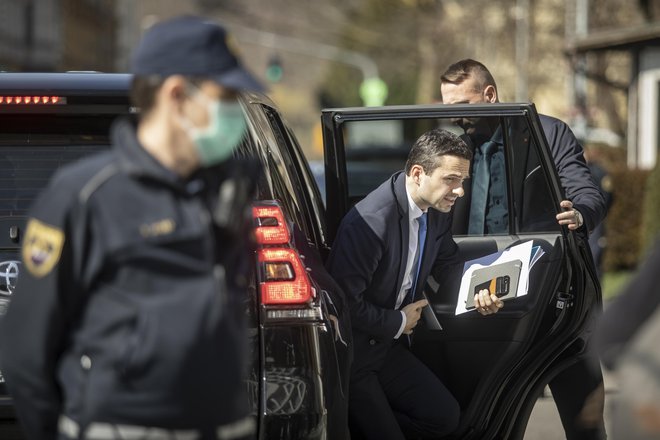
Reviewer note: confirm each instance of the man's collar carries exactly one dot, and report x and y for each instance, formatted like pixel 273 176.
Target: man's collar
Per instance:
pixel 414 211
pixel 134 159
pixel 478 139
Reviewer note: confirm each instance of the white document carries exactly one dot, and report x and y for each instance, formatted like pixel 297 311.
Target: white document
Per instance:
pixel 521 252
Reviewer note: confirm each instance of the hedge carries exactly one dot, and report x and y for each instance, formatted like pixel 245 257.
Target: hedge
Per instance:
pixel 624 220
pixel 651 218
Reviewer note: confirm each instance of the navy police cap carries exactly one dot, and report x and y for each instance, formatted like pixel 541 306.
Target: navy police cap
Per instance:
pixel 192 46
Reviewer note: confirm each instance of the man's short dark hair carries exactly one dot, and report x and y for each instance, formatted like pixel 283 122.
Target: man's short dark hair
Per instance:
pixel 429 148
pixel 469 68
pixel 145 87
pixel 143 92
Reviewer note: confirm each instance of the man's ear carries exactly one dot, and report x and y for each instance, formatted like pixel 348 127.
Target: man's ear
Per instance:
pixel 173 92
pixel 490 94
pixel 416 172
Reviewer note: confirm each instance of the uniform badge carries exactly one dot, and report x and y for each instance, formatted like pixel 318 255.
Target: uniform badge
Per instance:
pixel 606 184
pixel 161 227
pixel 230 41
pixel 42 247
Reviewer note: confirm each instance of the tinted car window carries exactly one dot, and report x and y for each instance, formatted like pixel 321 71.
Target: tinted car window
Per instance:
pixel 534 203
pixel 515 192
pixel 34 146
pixel 279 180
pixel 24 172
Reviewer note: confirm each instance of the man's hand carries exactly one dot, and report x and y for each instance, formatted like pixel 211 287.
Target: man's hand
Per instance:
pixel 413 312
pixel 487 303
pixel 570 217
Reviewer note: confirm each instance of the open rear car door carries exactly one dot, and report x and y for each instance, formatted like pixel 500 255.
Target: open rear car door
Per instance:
pixel 496 366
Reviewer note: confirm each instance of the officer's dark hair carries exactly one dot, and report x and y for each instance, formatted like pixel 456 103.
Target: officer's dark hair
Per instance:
pixel 428 149
pixel 145 87
pixel 462 70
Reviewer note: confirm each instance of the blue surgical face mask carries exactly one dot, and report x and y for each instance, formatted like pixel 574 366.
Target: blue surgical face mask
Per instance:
pixel 217 141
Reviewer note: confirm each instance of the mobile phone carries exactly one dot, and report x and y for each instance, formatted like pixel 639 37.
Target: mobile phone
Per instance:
pixel 500 279
pixel 498 286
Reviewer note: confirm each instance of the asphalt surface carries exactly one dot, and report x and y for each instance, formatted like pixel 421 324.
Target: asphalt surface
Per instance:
pixel 544 423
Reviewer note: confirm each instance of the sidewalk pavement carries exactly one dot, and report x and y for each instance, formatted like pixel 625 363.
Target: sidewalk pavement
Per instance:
pixel 544 423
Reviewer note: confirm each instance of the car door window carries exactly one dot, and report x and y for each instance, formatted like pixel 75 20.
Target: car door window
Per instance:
pixel 534 202
pixel 508 190
pixel 374 150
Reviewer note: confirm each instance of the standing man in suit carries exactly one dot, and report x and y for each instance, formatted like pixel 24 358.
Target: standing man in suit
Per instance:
pixel 469 82
pixel 385 244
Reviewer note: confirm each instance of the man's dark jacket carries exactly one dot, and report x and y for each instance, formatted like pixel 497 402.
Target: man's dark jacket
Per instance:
pixel 535 211
pixel 368 260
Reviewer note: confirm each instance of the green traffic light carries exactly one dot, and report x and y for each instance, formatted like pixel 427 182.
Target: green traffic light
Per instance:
pixel 373 92
pixel 274 73
pixel 274 70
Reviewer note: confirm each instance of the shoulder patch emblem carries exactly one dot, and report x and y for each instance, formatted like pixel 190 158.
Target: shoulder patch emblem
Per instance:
pixel 161 227
pixel 42 247
pixel 606 184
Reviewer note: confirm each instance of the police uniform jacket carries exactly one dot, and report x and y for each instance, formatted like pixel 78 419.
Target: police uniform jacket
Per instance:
pixel 128 309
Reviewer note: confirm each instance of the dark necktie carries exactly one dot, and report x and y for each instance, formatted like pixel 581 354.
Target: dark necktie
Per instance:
pixel 419 254
pixel 480 185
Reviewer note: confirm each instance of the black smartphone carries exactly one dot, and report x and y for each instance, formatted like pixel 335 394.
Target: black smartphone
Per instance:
pixel 499 286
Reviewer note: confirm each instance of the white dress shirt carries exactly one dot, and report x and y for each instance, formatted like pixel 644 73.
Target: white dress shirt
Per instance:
pixel 414 212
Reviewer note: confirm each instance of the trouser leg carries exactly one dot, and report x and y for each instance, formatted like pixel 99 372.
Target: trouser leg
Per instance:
pixel 404 399
pixel 370 414
pixel 576 386
pixel 422 405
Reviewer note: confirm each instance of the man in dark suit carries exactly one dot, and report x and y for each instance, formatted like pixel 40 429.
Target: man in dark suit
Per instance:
pixel 469 82
pixel 385 244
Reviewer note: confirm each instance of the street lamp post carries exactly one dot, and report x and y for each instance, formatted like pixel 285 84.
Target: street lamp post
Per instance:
pixel 373 90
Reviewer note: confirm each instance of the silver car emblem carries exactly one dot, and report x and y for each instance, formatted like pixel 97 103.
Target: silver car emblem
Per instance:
pixel 8 276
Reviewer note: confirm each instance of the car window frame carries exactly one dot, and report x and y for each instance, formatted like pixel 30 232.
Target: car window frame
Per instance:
pixel 272 137
pixel 337 202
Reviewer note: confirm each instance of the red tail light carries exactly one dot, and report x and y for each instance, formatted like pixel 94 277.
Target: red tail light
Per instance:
pixel 33 100
pixel 270 225
pixel 284 278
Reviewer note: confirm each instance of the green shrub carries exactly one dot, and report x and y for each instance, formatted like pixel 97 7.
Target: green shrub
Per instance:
pixel 624 220
pixel 651 217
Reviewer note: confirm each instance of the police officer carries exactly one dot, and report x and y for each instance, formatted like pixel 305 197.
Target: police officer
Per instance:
pixel 127 320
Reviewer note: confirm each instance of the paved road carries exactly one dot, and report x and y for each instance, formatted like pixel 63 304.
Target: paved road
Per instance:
pixel 544 423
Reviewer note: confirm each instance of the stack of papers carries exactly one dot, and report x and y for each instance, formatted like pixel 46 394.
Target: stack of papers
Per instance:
pixel 537 252
pixel 524 252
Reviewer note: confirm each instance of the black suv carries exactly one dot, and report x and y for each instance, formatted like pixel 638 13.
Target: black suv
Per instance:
pixel 300 354
pixel 298 372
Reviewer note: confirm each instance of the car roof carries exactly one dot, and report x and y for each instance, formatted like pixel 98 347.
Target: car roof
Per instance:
pixel 69 84
pixel 83 84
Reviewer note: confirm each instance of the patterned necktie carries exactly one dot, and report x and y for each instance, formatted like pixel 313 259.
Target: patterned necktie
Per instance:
pixel 480 185
pixel 421 239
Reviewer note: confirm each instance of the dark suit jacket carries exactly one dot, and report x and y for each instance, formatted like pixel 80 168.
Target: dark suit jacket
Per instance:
pixel 368 260
pixel 529 184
